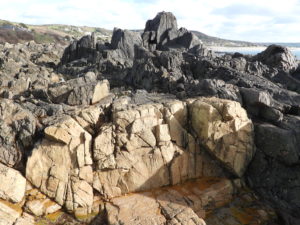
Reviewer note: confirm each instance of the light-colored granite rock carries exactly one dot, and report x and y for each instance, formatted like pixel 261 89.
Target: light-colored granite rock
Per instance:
pixel 182 204
pixel 12 184
pixel 225 130
pixel 60 166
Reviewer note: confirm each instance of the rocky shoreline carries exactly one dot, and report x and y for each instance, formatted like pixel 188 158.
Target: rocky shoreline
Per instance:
pixel 152 128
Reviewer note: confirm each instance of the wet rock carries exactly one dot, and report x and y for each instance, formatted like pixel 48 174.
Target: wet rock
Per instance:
pixel 179 205
pixel 38 204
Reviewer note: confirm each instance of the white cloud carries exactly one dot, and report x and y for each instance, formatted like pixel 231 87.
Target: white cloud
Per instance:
pixel 253 20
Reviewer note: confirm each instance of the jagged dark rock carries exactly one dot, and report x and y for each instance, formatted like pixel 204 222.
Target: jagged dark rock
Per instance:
pixel 126 41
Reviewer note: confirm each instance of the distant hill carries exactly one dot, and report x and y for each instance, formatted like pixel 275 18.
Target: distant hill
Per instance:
pixel 214 41
pixel 13 32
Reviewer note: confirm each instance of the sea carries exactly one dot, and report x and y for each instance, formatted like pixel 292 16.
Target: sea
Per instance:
pixel 255 51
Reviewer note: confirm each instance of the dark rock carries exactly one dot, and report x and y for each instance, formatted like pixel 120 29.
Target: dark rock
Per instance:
pixel 253 97
pixel 277 143
pixel 279 57
pixel 79 91
pixel 83 48
pixel 17 132
pixel 162 33
pixel 126 41
pixel 156 30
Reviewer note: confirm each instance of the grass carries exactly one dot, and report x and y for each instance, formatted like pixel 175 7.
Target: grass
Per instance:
pixel 42 38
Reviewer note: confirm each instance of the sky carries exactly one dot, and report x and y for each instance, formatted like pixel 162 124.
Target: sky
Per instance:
pixel 248 20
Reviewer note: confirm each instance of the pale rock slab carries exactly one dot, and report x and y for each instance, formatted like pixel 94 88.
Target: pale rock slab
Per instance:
pixel 9 213
pixel 12 185
pixel 182 204
pixel 101 90
pixel 25 219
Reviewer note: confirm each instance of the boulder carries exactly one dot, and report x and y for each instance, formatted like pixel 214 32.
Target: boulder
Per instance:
pixel 146 147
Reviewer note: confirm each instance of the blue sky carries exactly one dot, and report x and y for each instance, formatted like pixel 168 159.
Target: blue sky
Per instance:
pixel 250 20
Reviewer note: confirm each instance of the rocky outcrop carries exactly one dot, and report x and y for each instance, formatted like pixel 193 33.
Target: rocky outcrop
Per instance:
pixel 91 143
pixel 162 32
pixel 142 148
pixel 83 48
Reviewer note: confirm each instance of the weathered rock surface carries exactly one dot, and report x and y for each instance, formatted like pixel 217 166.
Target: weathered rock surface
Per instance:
pixel 18 127
pixel 177 205
pixel 125 41
pixel 224 128
pixel 80 91
pixel 38 204
pixel 60 166
pixel 144 147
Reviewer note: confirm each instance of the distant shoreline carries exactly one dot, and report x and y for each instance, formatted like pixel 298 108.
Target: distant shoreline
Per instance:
pixel 244 49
